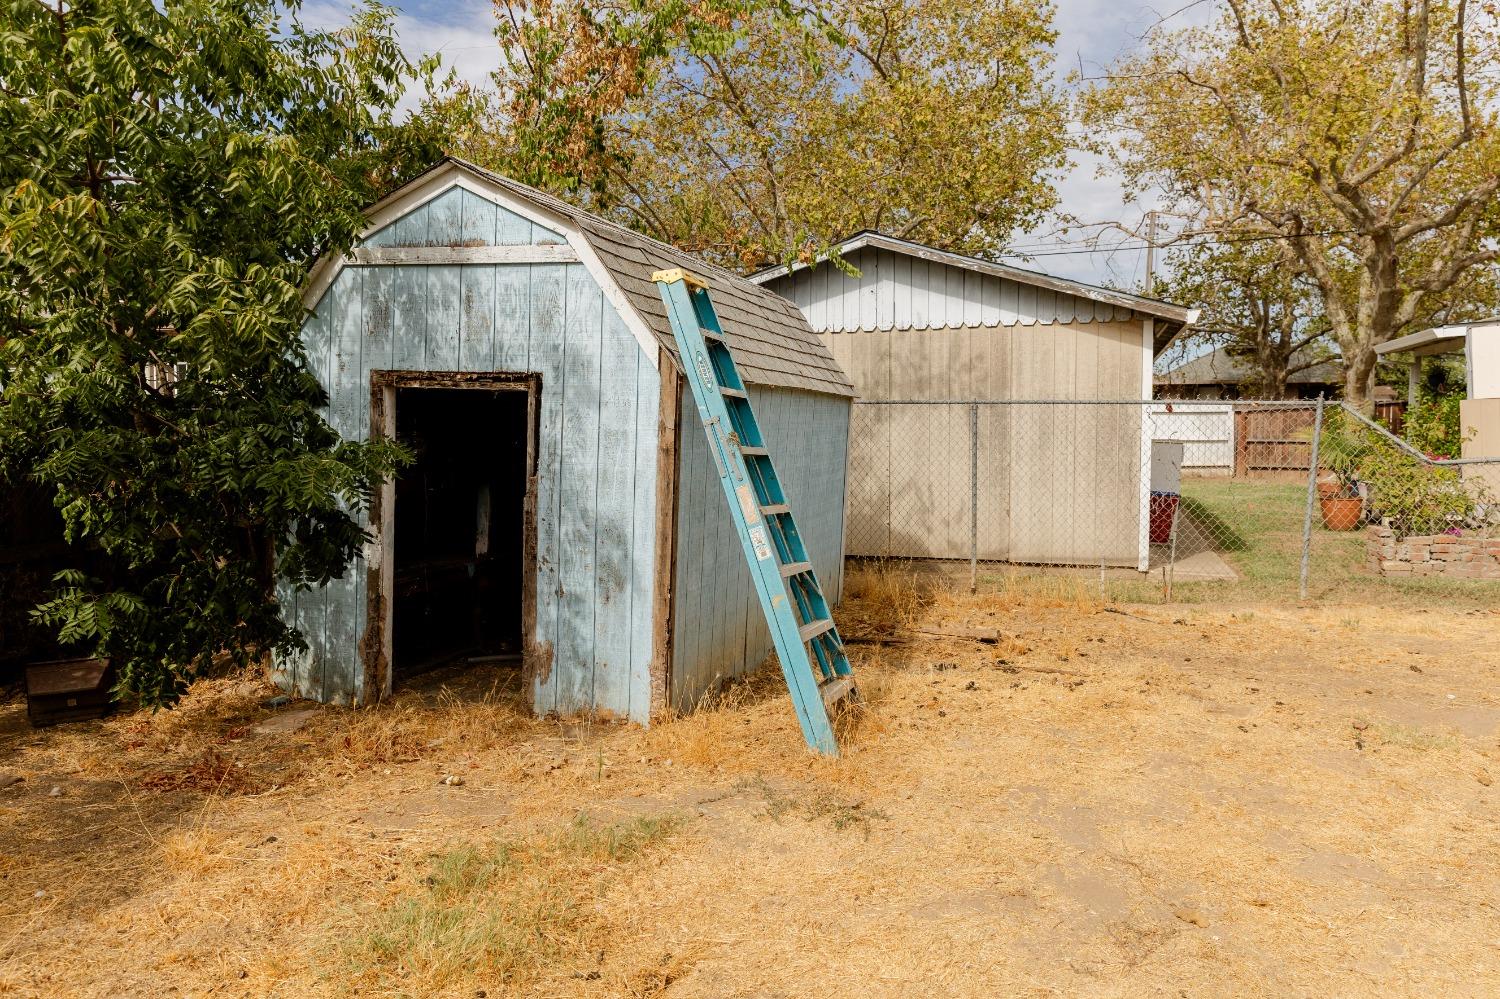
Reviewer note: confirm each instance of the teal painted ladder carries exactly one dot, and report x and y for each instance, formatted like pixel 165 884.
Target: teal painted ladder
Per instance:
pixel 793 602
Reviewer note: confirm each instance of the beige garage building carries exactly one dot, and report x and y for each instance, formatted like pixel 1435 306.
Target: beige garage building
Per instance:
pixel 1055 484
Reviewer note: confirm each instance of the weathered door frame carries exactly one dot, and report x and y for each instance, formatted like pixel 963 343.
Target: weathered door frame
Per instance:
pixel 380 552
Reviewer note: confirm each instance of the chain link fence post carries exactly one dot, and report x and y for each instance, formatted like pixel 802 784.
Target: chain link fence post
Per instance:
pixel 974 497
pixel 1312 496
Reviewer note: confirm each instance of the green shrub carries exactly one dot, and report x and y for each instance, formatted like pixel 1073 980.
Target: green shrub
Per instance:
pixel 1432 425
pixel 1416 497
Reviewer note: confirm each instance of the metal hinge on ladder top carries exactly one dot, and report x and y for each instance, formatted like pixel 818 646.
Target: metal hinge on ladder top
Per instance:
pixel 790 595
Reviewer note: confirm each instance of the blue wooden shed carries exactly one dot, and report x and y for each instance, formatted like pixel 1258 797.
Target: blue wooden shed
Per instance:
pixel 562 514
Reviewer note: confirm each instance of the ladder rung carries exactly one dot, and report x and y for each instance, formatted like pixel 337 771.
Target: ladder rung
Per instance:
pixel 709 334
pixel 772 509
pixel 754 451
pixel 733 393
pixel 793 568
pixel 835 690
pixel 813 629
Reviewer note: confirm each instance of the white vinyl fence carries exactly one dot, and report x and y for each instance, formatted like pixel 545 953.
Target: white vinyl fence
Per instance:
pixel 1206 432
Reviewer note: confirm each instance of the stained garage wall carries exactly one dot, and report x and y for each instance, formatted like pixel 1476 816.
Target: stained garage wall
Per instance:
pixel 1050 486
pixel 1059 485
pixel 596 448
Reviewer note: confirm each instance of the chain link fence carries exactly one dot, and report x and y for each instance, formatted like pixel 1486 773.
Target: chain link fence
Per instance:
pixel 1269 496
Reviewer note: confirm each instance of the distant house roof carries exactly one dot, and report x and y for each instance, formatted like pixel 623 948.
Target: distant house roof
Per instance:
pixel 772 343
pixel 1217 367
pixel 1174 317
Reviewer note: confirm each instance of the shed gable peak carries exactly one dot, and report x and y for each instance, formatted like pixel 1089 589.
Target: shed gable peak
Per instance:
pixel 459 217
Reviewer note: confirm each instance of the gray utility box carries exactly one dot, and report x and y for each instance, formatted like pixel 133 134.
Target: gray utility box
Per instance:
pixel 1166 466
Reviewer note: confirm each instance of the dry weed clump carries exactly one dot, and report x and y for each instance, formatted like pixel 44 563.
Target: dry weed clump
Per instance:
pixel 749 727
pixel 211 772
pixel 194 851
pixel 183 740
pixel 507 912
pixel 729 727
pixel 883 597
pixel 417 725
pixel 1015 591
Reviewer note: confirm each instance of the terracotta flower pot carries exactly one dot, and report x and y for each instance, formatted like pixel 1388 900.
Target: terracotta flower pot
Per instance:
pixel 1342 513
pixel 1328 488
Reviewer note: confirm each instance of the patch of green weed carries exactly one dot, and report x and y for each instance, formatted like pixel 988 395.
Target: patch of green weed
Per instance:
pixel 506 909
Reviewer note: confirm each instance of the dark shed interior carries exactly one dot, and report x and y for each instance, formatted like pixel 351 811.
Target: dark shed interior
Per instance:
pixel 460 536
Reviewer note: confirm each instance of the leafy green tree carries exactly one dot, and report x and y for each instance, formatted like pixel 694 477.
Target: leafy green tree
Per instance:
pixel 758 132
pixel 1362 136
pixel 1264 313
pixel 931 120
pixel 167 173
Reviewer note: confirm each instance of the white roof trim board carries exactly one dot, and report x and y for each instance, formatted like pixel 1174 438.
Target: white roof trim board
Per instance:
pixel 1449 339
pixel 772 342
pixel 905 285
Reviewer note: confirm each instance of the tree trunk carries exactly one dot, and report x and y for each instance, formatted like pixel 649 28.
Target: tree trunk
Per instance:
pixel 1359 375
pixel 1379 296
pixel 1276 384
pixel 1272 375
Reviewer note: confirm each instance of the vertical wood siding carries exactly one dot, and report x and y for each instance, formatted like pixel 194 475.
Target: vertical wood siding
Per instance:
pixel 717 628
pixel 1056 484
pixel 596 446
pixel 900 292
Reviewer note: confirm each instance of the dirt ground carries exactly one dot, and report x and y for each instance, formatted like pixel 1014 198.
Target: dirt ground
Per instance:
pixel 1126 800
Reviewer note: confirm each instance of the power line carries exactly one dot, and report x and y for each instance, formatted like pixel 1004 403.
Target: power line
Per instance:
pixel 1143 245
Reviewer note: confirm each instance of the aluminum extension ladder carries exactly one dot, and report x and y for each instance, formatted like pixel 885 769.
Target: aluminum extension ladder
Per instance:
pixel 790 596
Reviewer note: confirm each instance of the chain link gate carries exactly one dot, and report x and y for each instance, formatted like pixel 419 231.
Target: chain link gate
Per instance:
pixel 1229 493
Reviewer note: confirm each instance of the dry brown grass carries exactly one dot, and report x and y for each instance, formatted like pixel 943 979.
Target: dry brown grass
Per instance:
pixel 503 912
pixel 1223 801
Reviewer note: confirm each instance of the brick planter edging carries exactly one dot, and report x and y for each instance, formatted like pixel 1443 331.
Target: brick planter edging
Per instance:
pixel 1456 556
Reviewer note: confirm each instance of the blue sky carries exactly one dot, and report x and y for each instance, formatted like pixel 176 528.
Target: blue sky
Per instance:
pixel 1092 33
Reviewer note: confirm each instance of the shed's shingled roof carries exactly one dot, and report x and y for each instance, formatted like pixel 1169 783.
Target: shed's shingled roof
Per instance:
pixel 772 343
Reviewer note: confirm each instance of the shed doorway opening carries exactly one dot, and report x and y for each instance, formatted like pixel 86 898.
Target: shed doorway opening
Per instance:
pixel 458 585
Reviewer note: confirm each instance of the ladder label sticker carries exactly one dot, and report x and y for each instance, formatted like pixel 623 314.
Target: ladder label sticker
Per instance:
pixel 748 505
pixel 704 371
pixel 759 543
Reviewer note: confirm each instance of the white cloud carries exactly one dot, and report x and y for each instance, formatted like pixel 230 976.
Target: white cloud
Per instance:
pixel 462 34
